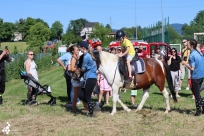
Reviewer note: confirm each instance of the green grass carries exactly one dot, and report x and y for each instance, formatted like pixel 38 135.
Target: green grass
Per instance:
pixel 56 120
pixel 21 46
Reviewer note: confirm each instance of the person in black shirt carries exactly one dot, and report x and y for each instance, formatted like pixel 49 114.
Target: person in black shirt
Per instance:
pixel 4 55
pixel 174 62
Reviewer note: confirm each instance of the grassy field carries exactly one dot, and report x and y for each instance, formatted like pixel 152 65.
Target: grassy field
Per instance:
pixel 44 120
pixel 21 46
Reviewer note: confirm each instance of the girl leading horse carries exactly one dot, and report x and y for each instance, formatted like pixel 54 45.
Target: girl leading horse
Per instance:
pixel 155 73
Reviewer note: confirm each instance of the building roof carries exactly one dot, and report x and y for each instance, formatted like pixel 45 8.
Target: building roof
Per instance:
pixel 91 24
pixel 112 33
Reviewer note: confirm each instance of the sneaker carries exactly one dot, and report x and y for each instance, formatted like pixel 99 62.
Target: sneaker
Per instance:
pixel 100 104
pixel 187 88
pixel 179 88
pixel 171 96
pixel 90 115
pixel 197 113
pixel 134 105
pixel 68 105
pixel 78 102
pixel 128 80
pixel 107 103
pixel 193 97
pixel 178 96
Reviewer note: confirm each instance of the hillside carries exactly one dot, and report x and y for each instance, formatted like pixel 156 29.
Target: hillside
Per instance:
pixel 177 27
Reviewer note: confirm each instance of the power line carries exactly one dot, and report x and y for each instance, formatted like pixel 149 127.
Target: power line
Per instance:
pixel 108 5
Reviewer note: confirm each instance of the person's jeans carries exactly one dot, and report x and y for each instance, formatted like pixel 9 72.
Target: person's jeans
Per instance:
pixel 72 95
pixel 196 84
pixel 69 87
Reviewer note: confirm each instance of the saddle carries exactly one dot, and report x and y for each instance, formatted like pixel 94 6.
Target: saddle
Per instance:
pixel 137 65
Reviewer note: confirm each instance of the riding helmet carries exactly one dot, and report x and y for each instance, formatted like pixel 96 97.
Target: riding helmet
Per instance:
pixel 119 34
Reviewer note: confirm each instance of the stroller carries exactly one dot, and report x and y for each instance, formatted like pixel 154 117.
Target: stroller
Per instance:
pixel 37 89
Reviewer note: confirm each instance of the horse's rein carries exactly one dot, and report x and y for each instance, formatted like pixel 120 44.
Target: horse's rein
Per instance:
pixel 114 74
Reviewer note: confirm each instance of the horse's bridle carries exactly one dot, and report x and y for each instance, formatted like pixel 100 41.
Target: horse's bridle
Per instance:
pixel 114 74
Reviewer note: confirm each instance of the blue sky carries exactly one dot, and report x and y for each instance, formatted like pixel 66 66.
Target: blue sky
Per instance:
pixel 118 13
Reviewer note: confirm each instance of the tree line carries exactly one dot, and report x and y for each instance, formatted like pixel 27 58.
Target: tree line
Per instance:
pixel 36 31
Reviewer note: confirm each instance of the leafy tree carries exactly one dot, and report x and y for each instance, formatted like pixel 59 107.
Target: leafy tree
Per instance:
pixel 174 36
pixel 199 19
pixel 20 27
pixel 42 21
pixel 68 38
pixel 183 28
pixel 38 34
pixel 130 32
pixel 7 31
pixel 56 30
pixel 196 25
pixel 101 32
pixel 108 27
pixel 15 51
pixel 1 28
pixel 28 24
pixel 75 27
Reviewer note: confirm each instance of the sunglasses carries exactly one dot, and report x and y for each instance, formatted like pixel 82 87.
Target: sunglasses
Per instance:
pixel 31 54
pixel 183 42
pixel 173 51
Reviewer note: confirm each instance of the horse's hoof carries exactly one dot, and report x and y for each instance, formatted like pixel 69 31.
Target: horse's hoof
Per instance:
pixel 128 110
pixel 167 111
pixel 137 110
pixel 112 113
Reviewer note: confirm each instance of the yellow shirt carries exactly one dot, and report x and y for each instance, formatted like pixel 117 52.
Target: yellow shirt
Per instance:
pixel 126 43
pixel 185 53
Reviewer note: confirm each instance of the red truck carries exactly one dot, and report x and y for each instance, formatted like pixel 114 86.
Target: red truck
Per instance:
pixel 94 42
pixel 164 47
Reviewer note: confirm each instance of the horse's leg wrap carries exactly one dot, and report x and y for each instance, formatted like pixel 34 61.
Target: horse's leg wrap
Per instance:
pixel 144 98
pixel 123 105
pixel 91 107
pixel 115 97
pixel 166 96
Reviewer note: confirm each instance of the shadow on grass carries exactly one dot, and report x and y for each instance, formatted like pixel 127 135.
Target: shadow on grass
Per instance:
pixel 185 95
pixel 37 104
pixel 159 93
pixel 181 94
pixel 63 98
pixel 182 111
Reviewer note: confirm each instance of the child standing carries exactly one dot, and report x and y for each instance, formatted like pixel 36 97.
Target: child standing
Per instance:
pixel 132 98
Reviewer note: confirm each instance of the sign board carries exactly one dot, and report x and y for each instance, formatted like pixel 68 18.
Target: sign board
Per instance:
pixel 62 49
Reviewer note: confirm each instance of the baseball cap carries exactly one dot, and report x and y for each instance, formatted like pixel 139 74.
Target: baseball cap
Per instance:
pixel 84 44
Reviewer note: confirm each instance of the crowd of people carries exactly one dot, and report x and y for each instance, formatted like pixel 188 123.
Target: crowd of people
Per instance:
pixel 79 59
pixel 191 62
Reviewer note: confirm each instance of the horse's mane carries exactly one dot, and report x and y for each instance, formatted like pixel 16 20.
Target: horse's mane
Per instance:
pixel 104 57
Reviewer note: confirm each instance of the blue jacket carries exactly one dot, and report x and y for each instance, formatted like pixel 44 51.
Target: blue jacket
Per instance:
pixel 196 61
pixel 89 66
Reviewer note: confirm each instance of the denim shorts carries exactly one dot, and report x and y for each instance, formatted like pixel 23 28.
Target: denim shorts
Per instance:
pixel 129 57
pixel 133 93
pixel 76 83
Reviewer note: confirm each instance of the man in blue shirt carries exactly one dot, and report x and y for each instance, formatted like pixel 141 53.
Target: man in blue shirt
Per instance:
pixel 196 65
pixel 64 61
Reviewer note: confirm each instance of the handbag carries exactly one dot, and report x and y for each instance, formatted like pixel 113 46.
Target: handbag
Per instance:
pixel 68 73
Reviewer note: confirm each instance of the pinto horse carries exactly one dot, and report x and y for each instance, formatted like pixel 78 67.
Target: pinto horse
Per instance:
pixel 155 73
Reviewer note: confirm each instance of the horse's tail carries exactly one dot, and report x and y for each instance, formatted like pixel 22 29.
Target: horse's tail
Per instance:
pixel 169 81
